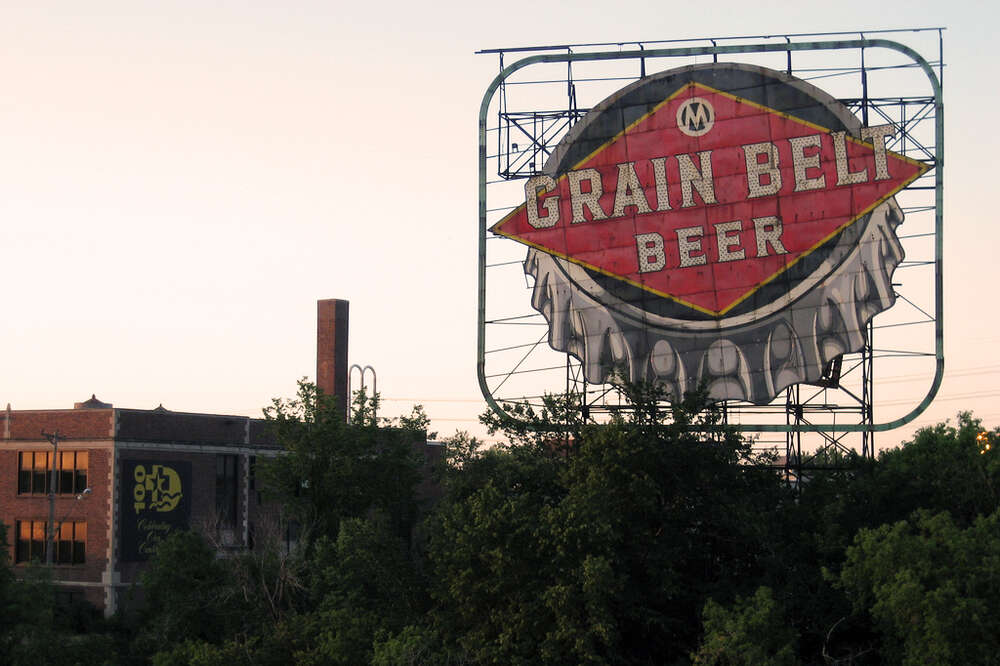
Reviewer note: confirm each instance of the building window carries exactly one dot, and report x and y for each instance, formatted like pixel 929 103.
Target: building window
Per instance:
pixel 70 541
pixel 252 479
pixel 35 472
pixel 225 490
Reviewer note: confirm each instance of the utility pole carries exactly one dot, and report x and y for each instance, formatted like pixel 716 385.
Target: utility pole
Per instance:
pixel 50 533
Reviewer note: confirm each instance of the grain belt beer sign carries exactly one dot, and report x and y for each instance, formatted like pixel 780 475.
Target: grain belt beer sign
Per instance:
pixel 721 223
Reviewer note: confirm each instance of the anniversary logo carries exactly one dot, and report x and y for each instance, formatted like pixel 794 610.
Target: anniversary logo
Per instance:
pixel 155 502
pixel 723 223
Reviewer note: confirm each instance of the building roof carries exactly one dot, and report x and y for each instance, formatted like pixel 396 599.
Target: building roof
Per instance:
pixel 95 420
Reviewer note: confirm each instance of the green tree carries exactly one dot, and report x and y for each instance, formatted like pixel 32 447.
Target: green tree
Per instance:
pixel 187 593
pixel 487 556
pixel 940 469
pixel 364 584
pixel 931 588
pixel 35 627
pixel 602 549
pixel 202 653
pixel 8 601
pixel 417 421
pixel 752 631
pixel 330 470
pixel 415 645
pixel 350 486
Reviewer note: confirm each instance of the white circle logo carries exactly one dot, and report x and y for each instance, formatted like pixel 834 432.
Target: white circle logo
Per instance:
pixel 695 117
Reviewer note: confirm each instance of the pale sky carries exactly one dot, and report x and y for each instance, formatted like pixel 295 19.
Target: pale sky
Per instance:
pixel 181 181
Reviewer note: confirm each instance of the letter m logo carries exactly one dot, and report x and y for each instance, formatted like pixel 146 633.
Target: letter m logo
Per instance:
pixel 695 117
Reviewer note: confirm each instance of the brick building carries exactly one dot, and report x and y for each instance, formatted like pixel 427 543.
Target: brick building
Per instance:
pixel 124 477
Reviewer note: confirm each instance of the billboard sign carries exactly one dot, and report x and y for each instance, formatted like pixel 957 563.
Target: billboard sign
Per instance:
pixel 156 501
pixel 720 223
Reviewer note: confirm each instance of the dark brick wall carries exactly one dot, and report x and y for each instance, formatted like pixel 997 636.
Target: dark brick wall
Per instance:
pixel 140 425
pixel 151 426
pixel 202 496
pixel 261 435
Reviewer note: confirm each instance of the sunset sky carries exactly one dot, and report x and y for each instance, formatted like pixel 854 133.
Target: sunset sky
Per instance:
pixel 181 181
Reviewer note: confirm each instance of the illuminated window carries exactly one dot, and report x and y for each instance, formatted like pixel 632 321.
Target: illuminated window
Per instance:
pixel 70 541
pixel 35 472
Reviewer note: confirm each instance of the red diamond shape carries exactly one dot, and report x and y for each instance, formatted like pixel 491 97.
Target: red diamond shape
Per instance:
pixel 712 248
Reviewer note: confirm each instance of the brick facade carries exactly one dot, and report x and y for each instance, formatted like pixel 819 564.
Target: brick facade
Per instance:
pixel 113 437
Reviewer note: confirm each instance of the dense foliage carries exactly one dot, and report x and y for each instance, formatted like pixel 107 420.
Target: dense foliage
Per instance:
pixel 657 538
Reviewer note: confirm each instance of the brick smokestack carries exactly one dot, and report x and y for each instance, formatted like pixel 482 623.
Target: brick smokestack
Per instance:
pixel 331 350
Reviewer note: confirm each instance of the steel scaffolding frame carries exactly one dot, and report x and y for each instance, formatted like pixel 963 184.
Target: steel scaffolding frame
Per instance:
pixel 526 137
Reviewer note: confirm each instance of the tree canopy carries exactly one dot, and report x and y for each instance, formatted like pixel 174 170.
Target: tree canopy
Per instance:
pixel 659 537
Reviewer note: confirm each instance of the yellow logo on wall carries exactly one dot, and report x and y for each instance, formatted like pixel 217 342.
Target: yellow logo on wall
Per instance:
pixel 159 489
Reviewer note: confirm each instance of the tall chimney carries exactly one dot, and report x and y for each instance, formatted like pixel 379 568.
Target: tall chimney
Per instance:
pixel 331 350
